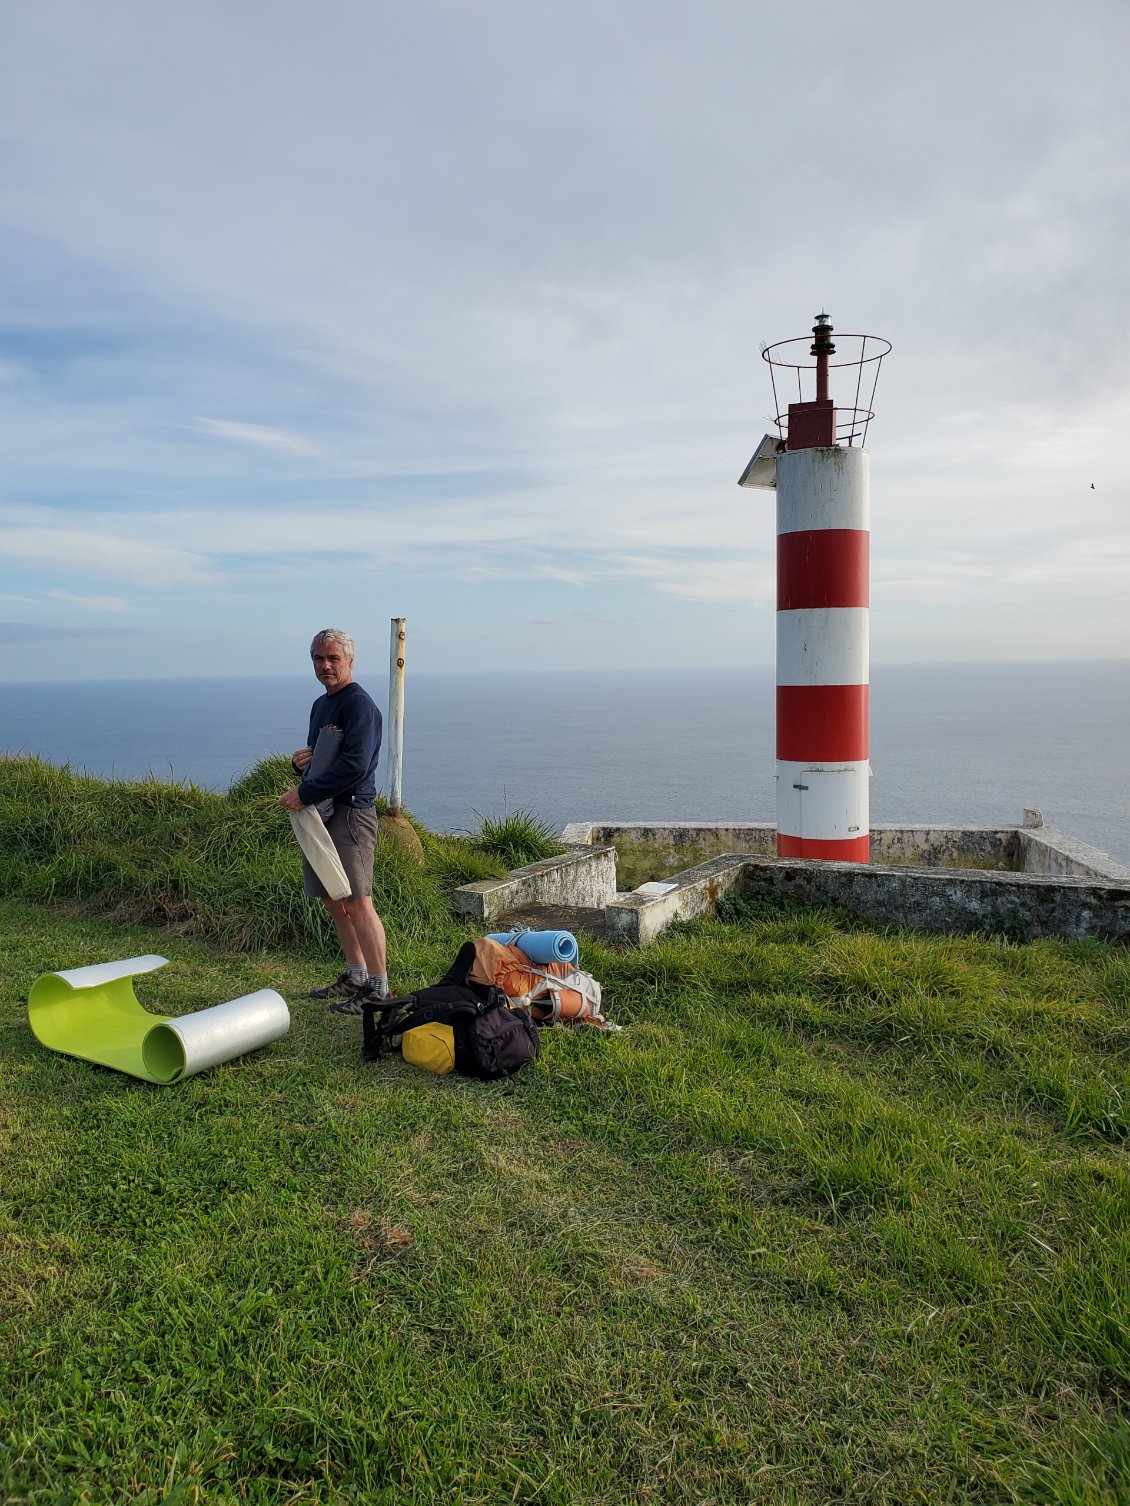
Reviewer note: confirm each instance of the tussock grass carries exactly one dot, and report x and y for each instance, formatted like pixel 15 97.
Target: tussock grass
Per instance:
pixel 843 1215
pixel 225 867
pixel 517 839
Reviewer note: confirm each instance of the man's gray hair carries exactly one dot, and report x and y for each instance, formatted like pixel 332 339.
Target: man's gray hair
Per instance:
pixel 335 635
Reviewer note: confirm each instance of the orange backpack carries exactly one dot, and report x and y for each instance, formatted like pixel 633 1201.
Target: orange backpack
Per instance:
pixel 554 992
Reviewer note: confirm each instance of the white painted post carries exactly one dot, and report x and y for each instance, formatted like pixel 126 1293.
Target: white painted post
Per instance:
pixel 396 716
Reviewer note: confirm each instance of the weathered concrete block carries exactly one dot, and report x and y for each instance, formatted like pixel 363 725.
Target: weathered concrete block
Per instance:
pixel 1051 851
pixel 1021 906
pixel 712 838
pixel 581 876
pixel 945 846
pixel 639 918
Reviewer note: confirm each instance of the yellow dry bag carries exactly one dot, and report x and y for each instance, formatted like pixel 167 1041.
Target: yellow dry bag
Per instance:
pixel 431 1047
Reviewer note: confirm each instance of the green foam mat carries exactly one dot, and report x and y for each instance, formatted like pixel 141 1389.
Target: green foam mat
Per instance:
pixel 93 1013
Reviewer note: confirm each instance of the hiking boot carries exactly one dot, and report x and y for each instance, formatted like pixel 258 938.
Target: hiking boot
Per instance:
pixel 369 993
pixel 341 988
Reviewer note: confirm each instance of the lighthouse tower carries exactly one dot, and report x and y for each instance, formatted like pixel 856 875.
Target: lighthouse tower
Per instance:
pixel 819 467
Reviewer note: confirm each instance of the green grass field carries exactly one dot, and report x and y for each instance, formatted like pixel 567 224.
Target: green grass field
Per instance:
pixel 842 1216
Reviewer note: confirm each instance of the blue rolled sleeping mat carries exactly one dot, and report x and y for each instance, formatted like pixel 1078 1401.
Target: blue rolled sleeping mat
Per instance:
pixel 541 946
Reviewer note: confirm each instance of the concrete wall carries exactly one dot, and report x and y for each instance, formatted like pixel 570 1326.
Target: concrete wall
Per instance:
pixel 932 846
pixel 1031 848
pixel 583 876
pixel 1066 888
pixel 1051 851
pixel 1020 906
pixel 639 918
pixel 946 846
pixel 723 836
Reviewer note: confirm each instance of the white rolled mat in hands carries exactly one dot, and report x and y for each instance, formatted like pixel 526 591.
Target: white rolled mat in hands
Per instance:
pixel 319 850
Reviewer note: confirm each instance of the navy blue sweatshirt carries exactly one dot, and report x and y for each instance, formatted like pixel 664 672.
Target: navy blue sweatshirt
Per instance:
pixel 352 775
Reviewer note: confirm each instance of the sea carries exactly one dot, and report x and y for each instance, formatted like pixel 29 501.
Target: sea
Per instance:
pixel 959 743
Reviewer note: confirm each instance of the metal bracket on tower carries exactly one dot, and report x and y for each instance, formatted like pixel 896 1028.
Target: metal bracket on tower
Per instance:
pixel 762 469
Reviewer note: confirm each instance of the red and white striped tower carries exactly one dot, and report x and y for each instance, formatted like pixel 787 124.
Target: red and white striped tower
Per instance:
pixel 823 547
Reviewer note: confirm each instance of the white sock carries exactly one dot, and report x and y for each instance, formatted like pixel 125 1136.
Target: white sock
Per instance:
pixel 357 972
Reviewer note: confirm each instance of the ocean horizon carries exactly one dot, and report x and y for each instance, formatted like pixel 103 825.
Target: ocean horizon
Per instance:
pixel 967 744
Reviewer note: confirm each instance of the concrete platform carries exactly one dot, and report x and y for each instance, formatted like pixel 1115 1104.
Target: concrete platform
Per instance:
pixel 582 920
pixel 1024 881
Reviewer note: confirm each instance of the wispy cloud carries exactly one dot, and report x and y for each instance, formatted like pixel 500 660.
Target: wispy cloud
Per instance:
pixel 99 603
pixel 261 436
pixel 102 555
pixel 31 632
pixel 555 572
pixel 713 578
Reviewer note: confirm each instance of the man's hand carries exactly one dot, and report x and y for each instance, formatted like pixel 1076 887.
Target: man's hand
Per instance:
pixel 301 759
pixel 289 799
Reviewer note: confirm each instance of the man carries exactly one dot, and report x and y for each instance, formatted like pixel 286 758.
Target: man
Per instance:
pixel 344 743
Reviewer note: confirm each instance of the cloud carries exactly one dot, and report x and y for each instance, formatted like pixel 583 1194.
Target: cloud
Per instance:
pixel 31 632
pixel 485 288
pixel 117 557
pixel 259 435
pixel 555 572
pixel 99 603
pixel 713 579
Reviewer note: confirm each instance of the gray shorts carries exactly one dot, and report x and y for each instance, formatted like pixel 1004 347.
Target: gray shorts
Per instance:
pixel 353 831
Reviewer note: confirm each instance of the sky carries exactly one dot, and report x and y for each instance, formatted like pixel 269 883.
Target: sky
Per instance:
pixel 323 315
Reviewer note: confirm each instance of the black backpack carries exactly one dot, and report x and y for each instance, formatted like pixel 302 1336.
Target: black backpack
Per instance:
pixel 491 1039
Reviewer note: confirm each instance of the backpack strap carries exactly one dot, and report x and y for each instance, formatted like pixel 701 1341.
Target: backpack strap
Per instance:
pixel 441 1012
pixel 547 1000
pixel 378 1025
pixel 444 1004
pixel 459 971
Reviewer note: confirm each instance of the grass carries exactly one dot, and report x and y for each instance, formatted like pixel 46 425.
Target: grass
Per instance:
pixel 218 866
pixel 844 1215
pixel 518 839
